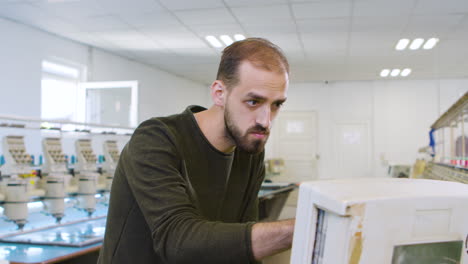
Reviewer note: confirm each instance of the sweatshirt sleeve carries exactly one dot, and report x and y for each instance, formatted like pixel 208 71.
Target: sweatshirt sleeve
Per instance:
pixel 251 212
pixel 180 234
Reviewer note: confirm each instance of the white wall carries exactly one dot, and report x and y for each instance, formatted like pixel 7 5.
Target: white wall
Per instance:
pixel 23 48
pixel 399 113
pixel 160 93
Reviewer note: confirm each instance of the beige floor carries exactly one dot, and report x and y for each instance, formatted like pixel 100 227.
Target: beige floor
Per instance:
pixel 289 211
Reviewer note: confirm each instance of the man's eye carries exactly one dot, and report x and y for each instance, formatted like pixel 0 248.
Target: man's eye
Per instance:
pixel 278 105
pixel 252 102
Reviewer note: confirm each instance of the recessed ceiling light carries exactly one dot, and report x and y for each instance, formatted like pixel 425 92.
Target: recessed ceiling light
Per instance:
pixel 226 39
pixel 239 37
pixel 402 44
pixel 395 72
pixel 416 44
pixel 430 43
pixel 384 73
pixel 406 72
pixel 214 41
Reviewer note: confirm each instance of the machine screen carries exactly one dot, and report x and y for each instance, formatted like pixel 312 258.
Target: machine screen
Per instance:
pixel 430 253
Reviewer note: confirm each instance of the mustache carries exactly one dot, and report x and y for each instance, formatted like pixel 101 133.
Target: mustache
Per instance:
pixel 259 129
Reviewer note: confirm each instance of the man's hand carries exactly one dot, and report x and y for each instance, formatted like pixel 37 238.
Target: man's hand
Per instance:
pixel 271 238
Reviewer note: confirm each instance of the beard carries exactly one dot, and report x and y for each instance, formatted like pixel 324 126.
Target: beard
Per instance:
pixel 241 140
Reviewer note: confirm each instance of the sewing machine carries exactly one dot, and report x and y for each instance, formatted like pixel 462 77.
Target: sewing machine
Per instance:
pixel 19 183
pixel 111 158
pixel 87 176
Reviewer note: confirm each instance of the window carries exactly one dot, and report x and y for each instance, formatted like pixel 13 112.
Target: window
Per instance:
pixel 109 103
pixel 59 91
pixel 65 97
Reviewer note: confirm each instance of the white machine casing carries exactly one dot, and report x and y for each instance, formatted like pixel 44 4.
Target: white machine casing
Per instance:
pixel 85 155
pixel 368 221
pixel 55 161
pixel 18 184
pixel 56 181
pixel 111 155
pixel 16 201
pixel 87 175
pixel 17 161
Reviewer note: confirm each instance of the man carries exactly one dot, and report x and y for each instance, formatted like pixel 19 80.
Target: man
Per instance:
pixel 185 190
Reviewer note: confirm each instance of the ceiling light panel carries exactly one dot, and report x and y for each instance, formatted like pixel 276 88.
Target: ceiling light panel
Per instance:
pixel 238 37
pixel 430 43
pixel 405 72
pixel 416 43
pixel 402 44
pixel 227 40
pixel 384 73
pixel 395 72
pixel 214 41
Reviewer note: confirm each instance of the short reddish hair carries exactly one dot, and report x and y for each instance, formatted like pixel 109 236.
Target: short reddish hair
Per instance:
pixel 258 51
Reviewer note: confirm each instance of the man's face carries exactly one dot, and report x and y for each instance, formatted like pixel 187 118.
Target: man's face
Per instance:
pixel 251 106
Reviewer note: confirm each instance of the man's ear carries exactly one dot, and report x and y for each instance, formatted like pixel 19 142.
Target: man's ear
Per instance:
pixel 218 93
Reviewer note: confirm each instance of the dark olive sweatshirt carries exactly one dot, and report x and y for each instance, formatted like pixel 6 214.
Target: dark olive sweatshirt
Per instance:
pixel 176 199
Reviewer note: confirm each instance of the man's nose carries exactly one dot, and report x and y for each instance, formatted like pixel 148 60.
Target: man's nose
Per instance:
pixel 264 117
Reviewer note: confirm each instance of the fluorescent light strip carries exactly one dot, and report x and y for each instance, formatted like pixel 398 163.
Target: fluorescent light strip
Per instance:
pixel 238 37
pixel 430 43
pixel 416 44
pixel 226 39
pixel 406 72
pixel 214 41
pixel 402 44
pixel 395 72
pixel 384 73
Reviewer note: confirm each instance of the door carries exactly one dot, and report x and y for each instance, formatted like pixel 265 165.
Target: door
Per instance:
pixel 294 139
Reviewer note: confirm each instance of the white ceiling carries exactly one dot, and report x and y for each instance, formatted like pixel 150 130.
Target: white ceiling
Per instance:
pixel 323 39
